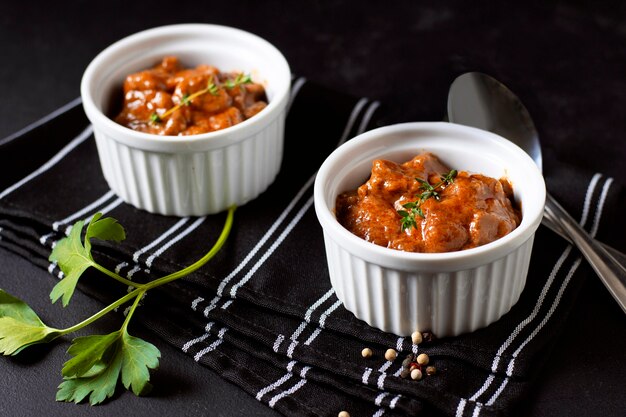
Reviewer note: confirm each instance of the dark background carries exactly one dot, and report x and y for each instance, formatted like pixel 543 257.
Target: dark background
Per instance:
pixel 566 61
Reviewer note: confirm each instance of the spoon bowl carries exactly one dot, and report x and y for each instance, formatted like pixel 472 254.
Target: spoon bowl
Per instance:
pixel 478 100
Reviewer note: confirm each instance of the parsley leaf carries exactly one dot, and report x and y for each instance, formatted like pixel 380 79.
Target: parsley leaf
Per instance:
pixel 20 326
pixel 74 258
pixel 101 360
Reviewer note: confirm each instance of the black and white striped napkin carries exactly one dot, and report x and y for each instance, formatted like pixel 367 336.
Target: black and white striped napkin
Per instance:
pixel 262 313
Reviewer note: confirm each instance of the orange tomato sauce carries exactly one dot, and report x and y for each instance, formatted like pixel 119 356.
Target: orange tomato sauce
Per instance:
pixel 149 94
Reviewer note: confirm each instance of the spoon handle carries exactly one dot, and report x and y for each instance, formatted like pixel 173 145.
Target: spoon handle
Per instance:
pixel 618 257
pixel 610 272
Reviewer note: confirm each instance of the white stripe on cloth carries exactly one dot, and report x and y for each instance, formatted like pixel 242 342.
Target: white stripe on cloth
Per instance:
pixel 294 342
pixel 275 384
pixel 322 320
pixel 97 203
pixel 596 219
pixel 394 401
pixel 460 408
pixel 52 162
pixel 555 303
pixel 315 305
pixel 265 237
pixel 355 113
pixel 159 239
pixel 379 413
pixel 178 237
pixel 290 391
pixel 529 319
pixel 399 344
pixel 368 116
pixel 119 267
pixel 194 304
pixel 366 375
pixel 328 312
pixel 204 336
pixel 92 206
pixel 313 336
pixel 136 268
pixel 278 342
pixel 587 203
pixel 307 318
pixel 272 248
pixel 380 382
pixel 152 244
pixel 212 346
pixel 103 211
pixel 41 121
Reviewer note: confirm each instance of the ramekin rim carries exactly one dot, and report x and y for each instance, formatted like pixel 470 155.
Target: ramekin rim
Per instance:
pixel 474 256
pixel 241 130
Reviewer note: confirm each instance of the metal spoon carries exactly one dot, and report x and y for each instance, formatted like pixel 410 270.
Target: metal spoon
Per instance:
pixel 478 100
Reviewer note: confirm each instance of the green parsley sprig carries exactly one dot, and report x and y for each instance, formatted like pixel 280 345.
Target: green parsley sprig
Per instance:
pixel 98 361
pixel 414 208
pixel 212 88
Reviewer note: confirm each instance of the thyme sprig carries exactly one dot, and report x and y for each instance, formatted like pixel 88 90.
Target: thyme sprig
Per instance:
pixel 212 88
pixel 414 208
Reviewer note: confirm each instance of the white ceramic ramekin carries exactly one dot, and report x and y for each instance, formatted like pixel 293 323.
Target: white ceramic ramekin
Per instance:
pixel 446 293
pixel 189 175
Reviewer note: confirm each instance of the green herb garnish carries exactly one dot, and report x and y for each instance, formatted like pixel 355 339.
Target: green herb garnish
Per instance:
pixel 414 208
pixel 408 217
pixel 98 361
pixel 154 118
pixel 212 87
pixel 240 79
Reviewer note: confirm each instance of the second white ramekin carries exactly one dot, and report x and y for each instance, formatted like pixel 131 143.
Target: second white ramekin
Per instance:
pixel 446 293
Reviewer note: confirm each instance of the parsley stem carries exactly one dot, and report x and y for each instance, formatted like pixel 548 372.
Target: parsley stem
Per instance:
pixel 140 295
pixel 140 289
pixel 199 263
pixel 116 276
pixel 102 312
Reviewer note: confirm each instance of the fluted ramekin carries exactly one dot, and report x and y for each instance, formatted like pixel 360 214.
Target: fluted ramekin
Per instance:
pixel 189 175
pixel 446 293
